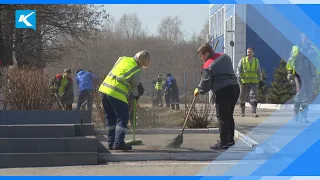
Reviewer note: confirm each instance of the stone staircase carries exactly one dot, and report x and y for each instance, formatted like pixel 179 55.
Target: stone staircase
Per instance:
pixel 25 141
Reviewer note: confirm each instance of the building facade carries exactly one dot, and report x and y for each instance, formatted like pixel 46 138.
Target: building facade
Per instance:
pixel 227 24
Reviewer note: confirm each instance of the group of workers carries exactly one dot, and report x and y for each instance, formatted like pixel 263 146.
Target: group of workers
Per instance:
pixel 62 86
pixel 122 85
pixel 169 88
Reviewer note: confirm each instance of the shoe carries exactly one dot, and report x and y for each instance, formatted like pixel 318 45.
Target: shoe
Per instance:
pixel 241 115
pixel 124 147
pixel 110 147
pixel 255 115
pixel 231 143
pixel 219 146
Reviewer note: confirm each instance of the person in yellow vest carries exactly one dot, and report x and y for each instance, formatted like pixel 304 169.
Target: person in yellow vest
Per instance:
pixel 123 78
pixel 62 85
pixel 301 70
pixel 159 88
pixel 249 77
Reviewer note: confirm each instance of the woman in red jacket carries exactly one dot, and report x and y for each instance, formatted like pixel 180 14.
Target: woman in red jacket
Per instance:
pixel 219 77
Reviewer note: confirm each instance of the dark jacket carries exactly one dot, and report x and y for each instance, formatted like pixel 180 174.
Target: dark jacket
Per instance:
pixel 217 72
pixel 68 94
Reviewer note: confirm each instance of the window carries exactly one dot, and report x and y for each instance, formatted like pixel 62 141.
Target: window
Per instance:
pixel 215 26
pixel 211 25
pixel 222 20
pixel 219 23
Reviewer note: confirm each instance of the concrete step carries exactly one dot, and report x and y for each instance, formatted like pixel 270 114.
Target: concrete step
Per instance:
pixel 45 130
pixel 44 145
pixel 10 117
pixel 15 160
pixel 84 129
pixel 37 131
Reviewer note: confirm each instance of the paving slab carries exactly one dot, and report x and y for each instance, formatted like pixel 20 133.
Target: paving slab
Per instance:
pixel 195 147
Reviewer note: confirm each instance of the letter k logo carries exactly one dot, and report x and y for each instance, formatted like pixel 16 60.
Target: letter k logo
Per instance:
pixel 26 19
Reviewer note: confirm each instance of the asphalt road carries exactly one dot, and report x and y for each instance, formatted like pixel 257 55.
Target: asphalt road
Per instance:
pixel 154 168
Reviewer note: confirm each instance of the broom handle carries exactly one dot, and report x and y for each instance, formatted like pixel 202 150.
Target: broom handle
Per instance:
pixel 187 117
pixel 134 119
pixel 194 98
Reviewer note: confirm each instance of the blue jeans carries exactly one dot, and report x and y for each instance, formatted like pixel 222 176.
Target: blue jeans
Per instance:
pixel 117 116
pixel 85 95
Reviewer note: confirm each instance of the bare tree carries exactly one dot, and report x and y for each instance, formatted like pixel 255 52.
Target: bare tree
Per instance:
pixel 129 26
pixel 169 29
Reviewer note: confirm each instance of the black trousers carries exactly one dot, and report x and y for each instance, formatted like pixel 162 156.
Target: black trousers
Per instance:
pixel 226 99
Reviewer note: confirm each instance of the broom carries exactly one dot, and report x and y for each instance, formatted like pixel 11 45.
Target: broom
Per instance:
pixel 58 101
pixel 134 141
pixel 179 139
pixel 176 143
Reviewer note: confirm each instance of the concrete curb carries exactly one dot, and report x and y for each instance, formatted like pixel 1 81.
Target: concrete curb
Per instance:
pixel 174 156
pixel 163 131
pixel 246 139
pixel 283 106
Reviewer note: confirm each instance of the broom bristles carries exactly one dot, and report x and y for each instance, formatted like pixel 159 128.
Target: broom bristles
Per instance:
pixel 176 142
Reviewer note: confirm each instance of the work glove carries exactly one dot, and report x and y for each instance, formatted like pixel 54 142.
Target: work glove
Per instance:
pixel 137 98
pixel 140 89
pixel 196 92
pixel 290 77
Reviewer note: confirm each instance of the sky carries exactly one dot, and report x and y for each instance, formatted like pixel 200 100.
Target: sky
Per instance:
pixel 193 16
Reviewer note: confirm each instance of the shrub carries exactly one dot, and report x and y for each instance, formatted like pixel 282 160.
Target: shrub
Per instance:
pixel 98 116
pixel 199 115
pixel 26 89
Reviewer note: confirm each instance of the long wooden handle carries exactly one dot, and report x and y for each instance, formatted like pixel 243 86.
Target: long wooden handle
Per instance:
pixel 215 45
pixel 187 117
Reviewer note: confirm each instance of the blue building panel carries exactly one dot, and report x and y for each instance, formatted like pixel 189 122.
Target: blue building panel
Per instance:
pixel 269 59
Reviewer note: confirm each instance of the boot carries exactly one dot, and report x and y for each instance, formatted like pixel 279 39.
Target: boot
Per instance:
pixel 296 110
pixel 243 108
pixel 172 107
pixel 254 109
pixel 177 107
pixel 304 114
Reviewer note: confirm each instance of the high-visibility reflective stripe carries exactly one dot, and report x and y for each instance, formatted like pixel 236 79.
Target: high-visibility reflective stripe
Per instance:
pixel 114 88
pixel 121 128
pixel 119 80
pixel 131 71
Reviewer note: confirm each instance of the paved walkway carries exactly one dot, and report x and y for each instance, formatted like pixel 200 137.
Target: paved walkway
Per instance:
pixel 195 147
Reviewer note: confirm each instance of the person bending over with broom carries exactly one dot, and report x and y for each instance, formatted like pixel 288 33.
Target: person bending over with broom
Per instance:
pixel 219 77
pixel 123 77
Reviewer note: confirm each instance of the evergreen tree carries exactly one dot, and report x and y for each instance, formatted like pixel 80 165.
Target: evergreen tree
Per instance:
pixel 262 91
pixel 281 90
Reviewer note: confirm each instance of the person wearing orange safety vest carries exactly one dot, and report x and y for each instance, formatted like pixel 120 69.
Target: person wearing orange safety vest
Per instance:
pixel 123 78
pixel 302 70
